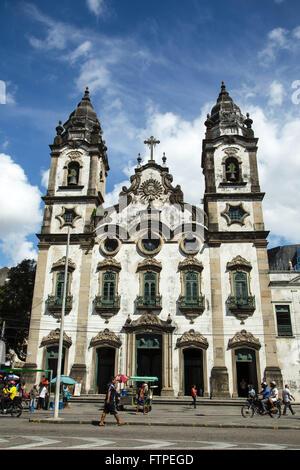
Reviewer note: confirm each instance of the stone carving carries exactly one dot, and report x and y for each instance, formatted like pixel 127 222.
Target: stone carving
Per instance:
pixel 244 338
pixel 149 263
pixel 106 338
pixel 237 263
pixel 52 339
pixel 192 338
pixel 151 189
pixel 190 264
pixel 61 264
pixel 149 323
pixel 109 263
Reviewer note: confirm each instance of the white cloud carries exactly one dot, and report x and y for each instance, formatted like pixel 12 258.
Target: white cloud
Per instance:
pixel 20 211
pixel 45 178
pixel 276 93
pixel 94 75
pixel 81 51
pixel 279 168
pixel 96 6
pixel 278 38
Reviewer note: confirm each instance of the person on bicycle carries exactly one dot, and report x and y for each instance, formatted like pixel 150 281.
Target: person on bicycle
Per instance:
pixel 274 395
pixel 265 393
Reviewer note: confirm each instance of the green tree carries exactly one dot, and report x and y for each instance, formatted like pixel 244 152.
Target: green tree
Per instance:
pixel 15 305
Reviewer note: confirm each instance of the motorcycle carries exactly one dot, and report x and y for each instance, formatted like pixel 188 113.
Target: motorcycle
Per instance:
pixel 14 408
pixel 253 406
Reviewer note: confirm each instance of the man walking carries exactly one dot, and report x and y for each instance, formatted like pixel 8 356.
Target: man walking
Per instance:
pixel 286 397
pixel 110 402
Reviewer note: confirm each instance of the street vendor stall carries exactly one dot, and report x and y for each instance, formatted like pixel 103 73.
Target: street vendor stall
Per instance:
pixel 129 394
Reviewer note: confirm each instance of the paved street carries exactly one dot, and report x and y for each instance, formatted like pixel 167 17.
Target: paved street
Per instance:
pixel 167 427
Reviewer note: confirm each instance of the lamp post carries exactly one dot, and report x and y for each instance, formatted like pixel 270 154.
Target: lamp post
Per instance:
pixel 61 333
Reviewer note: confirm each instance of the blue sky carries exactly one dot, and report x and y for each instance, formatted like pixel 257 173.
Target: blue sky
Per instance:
pixel 153 68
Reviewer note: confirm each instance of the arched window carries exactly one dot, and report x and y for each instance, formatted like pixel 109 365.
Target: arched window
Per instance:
pixel 191 287
pixel 73 173
pixel 149 288
pixel 109 287
pixel 232 170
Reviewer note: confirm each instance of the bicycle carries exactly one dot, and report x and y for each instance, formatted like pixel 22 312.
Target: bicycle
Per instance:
pixel 254 406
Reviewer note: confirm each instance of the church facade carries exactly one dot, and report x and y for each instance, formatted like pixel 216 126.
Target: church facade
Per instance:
pixel 157 286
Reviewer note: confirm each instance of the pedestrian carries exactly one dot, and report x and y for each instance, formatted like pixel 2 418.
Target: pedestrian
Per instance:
pixel 42 396
pixel 110 402
pixel 194 394
pixel 141 399
pixel 286 397
pixel 66 396
pixel 33 394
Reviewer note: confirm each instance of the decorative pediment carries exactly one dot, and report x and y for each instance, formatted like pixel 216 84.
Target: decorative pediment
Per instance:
pixel 52 339
pixel 109 264
pixel 149 263
pixel 106 338
pixel 238 263
pixel 192 338
pixel 60 264
pixel 149 323
pixel 244 339
pixel 190 264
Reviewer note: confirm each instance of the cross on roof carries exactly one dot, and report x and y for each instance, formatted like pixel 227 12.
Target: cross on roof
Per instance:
pixel 151 142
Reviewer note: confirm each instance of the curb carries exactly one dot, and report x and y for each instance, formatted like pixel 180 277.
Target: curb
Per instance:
pixel 151 424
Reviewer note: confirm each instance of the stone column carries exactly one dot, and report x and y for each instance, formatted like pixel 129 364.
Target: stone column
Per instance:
pixel 92 189
pixel 219 374
pixel 167 376
pixel 79 367
pixel 272 371
pixel 52 174
pixel 36 313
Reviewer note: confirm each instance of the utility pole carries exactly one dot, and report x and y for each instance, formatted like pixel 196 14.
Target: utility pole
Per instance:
pixel 61 333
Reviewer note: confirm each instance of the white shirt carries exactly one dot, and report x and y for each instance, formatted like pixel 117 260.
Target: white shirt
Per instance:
pixel 43 392
pixel 286 395
pixel 274 391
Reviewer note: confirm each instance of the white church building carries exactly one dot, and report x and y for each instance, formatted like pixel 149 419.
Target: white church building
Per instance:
pixel 157 286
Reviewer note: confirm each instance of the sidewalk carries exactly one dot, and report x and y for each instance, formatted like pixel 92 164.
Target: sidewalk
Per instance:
pixel 167 415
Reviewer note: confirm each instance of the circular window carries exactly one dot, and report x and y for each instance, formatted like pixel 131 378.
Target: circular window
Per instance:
pixel 110 246
pixel 150 246
pixel 190 244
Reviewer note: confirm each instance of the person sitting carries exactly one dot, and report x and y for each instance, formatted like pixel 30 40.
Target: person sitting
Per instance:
pixel 274 395
pixel 251 392
pixel 5 397
pixel 141 399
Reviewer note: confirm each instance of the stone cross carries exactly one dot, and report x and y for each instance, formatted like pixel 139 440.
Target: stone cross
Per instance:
pixel 151 142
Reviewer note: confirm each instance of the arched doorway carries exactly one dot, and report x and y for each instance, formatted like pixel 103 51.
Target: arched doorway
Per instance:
pixel 246 372
pixel 105 368
pixel 52 360
pixel 193 370
pixel 149 357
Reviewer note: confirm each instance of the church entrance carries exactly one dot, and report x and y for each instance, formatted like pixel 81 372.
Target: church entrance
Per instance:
pixel 105 368
pixel 193 370
pixel 51 361
pixel 149 357
pixel 246 373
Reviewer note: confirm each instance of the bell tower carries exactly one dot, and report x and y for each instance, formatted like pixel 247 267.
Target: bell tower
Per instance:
pixel 236 236
pixel 76 187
